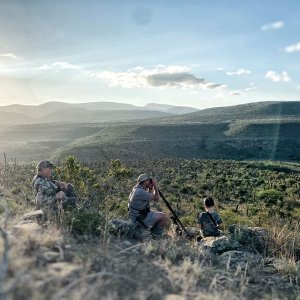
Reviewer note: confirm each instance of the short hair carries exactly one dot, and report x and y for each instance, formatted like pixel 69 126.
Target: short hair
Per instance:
pixel 209 202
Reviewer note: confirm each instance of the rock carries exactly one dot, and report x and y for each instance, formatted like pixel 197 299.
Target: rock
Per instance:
pixel 174 297
pixel 252 239
pixel 219 245
pixel 233 259
pixel 26 226
pixel 62 269
pixel 121 227
pixel 37 215
pixel 51 256
pixel 127 244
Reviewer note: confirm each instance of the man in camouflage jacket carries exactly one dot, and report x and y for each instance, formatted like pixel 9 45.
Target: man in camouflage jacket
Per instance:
pixel 50 193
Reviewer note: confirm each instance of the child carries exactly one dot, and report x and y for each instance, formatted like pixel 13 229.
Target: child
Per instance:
pixel 209 221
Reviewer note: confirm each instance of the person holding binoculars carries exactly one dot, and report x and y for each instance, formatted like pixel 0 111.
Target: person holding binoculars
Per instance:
pixel 143 192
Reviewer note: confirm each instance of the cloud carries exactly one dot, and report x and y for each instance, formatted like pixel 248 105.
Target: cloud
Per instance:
pixel 9 55
pixel 239 72
pixel 161 76
pixel 250 88
pixel 233 93
pixel 292 48
pixel 219 95
pixel 272 26
pixel 298 87
pixel 277 77
pixel 173 79
pixel 63 65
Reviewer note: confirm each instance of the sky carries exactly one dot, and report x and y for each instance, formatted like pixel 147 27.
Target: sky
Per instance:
pixel 178 52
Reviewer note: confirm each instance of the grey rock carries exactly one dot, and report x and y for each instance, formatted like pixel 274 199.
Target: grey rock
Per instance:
pixel 219 245
pixel 252 239
pixel 37 215
pixel 51 256
pixel 121 227
pixel 26 226
pixel 63 269
pixel 242 259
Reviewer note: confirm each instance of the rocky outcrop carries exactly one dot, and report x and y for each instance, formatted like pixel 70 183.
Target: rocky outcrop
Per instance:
pixel 239 238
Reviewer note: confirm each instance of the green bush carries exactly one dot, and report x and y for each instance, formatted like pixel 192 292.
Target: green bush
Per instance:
pixel 230 217
pixel 85 221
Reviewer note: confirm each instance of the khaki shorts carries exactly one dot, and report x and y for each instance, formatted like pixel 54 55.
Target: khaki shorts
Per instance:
pixel 150 219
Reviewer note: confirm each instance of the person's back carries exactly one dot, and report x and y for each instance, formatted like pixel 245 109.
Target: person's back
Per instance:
pixel 209 221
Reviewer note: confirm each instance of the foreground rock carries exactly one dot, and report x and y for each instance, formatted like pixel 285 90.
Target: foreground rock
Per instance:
pixel 239 238
pixel 24 227
pixel 36 215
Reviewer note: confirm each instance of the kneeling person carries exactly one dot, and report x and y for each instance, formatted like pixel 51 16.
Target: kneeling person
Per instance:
pixel 145 191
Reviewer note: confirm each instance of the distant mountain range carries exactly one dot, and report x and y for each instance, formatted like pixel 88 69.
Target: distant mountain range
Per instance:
pixel 52 112
pixel 264 130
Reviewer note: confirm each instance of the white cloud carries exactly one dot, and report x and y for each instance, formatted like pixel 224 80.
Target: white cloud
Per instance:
pixel 277 77
pixel 272 26
pixel 239 72
pixel 9 55
pixel 292 48
pixel 298 87
pixel 220 95
pixel 161 76
pixel 233 93
pixel 250 88
pixel 65 65
pixel 59 65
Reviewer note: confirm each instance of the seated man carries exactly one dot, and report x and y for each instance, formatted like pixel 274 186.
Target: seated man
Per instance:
pixel 49 193
pixel 145 191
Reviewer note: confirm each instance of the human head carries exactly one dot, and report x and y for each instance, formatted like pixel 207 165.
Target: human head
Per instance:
pixel 209 202
pixel 44 168
pixel 144 180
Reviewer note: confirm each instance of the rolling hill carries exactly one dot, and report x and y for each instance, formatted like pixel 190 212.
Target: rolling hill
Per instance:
pixel 251 111
pixel 266 130
pixel 52 112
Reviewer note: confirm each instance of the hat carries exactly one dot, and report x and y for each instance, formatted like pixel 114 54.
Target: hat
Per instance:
pixel 44 164
pixel 143 177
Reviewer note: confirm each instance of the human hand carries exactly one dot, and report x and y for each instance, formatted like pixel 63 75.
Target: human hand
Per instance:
pixel 60 195
pixel 154 182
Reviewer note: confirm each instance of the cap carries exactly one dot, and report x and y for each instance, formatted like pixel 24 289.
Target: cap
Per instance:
pixel 44 164
pixel 143 177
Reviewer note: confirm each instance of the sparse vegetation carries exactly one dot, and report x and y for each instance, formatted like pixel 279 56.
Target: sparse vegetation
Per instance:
pixel 84 256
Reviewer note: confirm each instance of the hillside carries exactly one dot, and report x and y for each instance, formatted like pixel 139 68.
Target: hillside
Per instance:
pixel 93 252
pixel 52 112
pixel 251 111
pixel 277 141
pixel 267 130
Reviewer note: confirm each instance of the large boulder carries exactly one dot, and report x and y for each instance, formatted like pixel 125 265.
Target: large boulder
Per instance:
pixel 252 239
pixel 241 238
pixel 127 229
pixel 219 245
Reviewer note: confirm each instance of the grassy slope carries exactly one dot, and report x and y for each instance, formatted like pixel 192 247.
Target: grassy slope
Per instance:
pixel 55 264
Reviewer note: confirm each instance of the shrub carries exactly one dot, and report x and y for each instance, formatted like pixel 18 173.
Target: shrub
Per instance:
pixel 85 221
